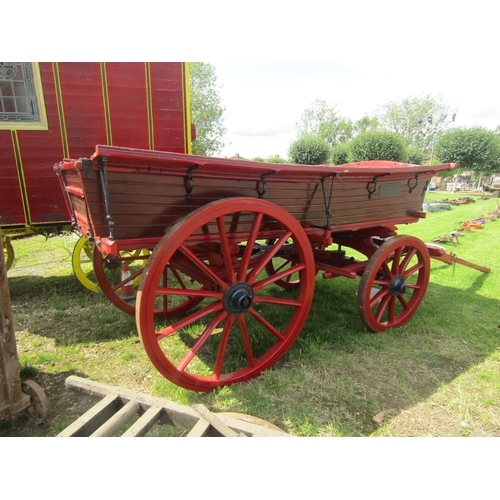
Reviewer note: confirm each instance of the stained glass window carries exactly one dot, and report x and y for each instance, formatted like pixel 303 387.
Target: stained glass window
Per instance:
pixel 21 97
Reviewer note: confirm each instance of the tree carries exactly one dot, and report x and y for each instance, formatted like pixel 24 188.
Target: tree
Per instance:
pixel 324 121
pixel 309 150
pixel 341 154
pixel 365 124
pixel 415 156
pixel 206 109
pixel 474 148
pixel 418 119
pixel 378 145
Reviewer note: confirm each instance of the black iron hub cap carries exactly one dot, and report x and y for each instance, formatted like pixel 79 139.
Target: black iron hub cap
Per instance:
pixel 397 286
pixel 238 298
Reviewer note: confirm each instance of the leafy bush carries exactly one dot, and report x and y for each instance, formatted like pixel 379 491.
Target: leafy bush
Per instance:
pixel 275 159
pixel 415 156
pixel 341 154
pixel 378 145
pixel 309 151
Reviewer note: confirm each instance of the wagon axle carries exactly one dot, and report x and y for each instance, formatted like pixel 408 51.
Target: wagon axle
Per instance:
pixel 238 298
pixel 397 286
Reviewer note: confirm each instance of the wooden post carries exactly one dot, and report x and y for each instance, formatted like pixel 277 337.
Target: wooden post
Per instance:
pixel 12 399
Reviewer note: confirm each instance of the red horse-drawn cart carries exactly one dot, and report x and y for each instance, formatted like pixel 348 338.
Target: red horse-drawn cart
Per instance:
pixel 218 257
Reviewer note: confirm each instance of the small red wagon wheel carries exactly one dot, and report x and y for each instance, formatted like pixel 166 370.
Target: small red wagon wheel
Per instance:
pixel 394 283
pixel 243 324
pixel 108 272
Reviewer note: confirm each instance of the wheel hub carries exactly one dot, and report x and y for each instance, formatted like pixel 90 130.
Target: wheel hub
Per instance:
pixel 397 286
pixel 238 298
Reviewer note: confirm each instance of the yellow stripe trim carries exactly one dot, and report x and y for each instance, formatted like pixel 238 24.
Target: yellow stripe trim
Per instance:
pixel 149 101
pixel 105 98
pixel 60 110
pixel 186 102
pixel 20 174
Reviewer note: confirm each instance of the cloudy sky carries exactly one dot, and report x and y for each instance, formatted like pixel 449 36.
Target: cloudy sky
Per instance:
pixel 273 58
pixel 265 100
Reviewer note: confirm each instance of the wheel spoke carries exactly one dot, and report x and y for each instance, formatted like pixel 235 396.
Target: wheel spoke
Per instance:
pixel 226 253
pixel 246 339
pixel 203 338
pixel 412 270
pixel 277 301
pixel 383 292
pixel 169 330
pixel 382 307
pixel 177 276
pixel 242 271
pixel 207 294
pixel 276 277
pixel 403 302
pixel 223 345
pixel 198 262
pixel 386 270
pixel 409 255
pixel 267 257
pixel 396 261
pixel 392 309
pixel 265 323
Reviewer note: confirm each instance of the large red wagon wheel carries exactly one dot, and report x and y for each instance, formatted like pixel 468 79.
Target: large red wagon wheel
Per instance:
pixel 243 324
pixel 108 272
pixel 394 283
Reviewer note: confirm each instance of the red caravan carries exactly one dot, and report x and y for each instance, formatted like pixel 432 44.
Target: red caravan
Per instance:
pixel 50 111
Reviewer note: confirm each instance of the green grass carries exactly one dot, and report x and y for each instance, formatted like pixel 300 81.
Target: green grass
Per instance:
pixel 437 375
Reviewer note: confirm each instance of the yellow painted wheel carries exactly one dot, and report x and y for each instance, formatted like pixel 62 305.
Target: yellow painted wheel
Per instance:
pixel 8 252
pixel 83 266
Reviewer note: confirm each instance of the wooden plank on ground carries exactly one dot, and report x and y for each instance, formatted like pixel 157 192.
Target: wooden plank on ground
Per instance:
pixel 216 423
pixel 118 420
pixel 93 418
pixel 145 422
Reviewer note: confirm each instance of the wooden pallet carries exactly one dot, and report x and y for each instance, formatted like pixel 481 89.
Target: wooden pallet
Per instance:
pixel 119 406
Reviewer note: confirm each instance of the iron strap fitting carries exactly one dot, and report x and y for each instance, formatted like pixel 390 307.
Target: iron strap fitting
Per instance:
pixel 411 188
pixel 328 213
pixel 262 184
pixel 104 181
pixel 188 181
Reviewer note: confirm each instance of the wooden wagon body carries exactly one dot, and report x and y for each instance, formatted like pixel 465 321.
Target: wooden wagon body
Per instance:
pixel 227 243
pixel 50 111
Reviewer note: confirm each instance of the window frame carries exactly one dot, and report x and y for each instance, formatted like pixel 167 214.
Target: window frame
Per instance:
pixel 42 123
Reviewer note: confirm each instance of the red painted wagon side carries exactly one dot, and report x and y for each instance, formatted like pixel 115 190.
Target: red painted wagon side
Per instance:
pixel 236 247
pixel 50 111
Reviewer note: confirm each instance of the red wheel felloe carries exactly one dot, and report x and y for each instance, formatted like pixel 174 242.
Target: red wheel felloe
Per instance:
pixel 394 283
pixel 243 325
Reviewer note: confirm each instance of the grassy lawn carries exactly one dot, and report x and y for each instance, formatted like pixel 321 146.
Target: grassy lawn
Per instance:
pixel 438 375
